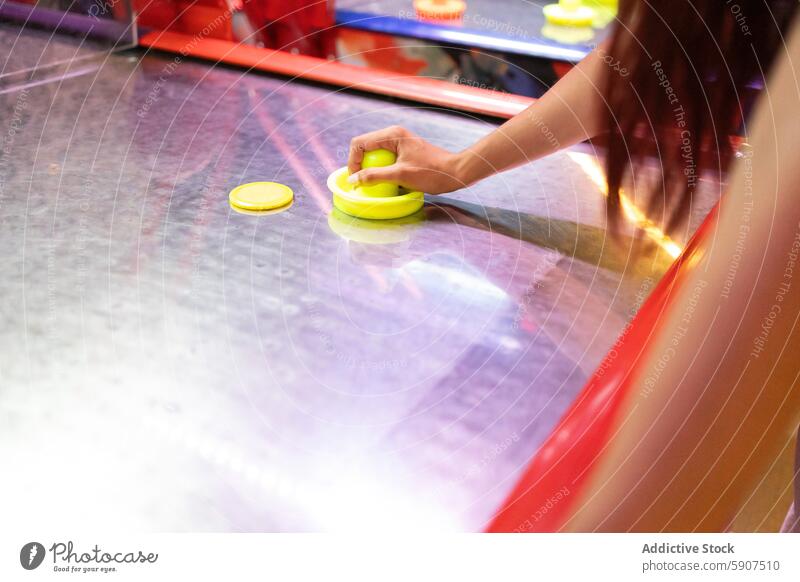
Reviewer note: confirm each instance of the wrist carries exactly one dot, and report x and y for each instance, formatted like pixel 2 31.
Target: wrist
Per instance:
pixel 468 167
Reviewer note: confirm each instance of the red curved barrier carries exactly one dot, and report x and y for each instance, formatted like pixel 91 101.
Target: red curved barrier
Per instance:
pixel 566 459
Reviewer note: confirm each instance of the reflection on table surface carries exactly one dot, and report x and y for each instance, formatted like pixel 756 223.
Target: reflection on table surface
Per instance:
pixel 22 52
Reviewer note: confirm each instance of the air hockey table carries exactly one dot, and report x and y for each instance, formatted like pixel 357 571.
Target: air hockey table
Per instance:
pixel 171 364
pixel 509 27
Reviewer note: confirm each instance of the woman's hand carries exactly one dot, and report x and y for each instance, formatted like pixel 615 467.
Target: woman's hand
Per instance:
pixel 419 166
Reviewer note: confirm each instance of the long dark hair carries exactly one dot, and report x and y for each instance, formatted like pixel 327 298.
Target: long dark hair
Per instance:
pixel 692 69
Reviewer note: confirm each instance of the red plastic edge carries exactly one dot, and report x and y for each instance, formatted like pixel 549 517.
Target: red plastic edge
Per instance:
pixel 553 483
pixel 382 82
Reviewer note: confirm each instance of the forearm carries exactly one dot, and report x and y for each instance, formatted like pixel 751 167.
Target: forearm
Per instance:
pixel 570 112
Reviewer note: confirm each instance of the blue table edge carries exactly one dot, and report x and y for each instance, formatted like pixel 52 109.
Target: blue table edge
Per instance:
pixel 445 34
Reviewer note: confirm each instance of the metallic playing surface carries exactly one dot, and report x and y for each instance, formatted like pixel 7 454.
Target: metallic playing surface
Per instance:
pixel 168 364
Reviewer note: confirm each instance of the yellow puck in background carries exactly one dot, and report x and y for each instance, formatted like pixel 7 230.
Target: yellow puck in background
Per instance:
pixel 569 13
pixel 261 196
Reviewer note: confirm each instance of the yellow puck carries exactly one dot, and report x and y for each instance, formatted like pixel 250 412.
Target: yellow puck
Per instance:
pixel 568 13
pixel 261 196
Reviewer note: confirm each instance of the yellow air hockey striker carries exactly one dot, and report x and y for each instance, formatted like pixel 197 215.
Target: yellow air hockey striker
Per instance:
pixel 382 201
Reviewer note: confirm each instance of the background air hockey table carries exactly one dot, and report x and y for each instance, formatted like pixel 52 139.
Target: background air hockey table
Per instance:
pixel 170 364
pixel 515 27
